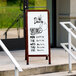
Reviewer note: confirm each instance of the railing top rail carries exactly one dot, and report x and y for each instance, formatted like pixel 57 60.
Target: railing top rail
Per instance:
pixel 68 29
pixel 10 56
pixel 71 25
pixel 64 46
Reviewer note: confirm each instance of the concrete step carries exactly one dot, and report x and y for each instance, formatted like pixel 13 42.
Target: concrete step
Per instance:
pixel 39 70
pixel 58 74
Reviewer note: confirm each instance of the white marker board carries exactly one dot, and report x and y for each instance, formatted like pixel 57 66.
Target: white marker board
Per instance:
pixel 37 26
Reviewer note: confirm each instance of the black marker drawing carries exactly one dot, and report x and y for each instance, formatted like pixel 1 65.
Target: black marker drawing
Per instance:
pixel 32 36
pixel 36 31
pixel 32 40
pixel 32 48
pixel 38 20
pixel 32 43
pixel 42 26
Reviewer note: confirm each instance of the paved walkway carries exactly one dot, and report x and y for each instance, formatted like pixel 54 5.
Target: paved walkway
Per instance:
pixel 58 57
pixel 12 33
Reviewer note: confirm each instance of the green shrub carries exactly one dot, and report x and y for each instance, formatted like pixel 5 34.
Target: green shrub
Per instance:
pixel 9 13
pixel 31 2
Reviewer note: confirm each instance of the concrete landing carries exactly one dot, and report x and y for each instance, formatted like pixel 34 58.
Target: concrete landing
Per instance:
pixel 38 65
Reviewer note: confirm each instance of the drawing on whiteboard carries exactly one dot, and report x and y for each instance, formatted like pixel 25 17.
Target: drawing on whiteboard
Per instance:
pixel 42 25
pixel 36 31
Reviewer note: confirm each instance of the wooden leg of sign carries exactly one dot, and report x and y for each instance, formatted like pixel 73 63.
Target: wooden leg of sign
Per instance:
pixel 47 57
pixel 25 55
pixel 27 60
pixel 49 60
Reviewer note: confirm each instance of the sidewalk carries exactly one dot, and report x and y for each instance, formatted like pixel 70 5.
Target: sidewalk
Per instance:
pixel 37 65
pixel 58 57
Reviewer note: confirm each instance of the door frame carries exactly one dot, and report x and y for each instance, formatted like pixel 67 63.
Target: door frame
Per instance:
pixel 53 24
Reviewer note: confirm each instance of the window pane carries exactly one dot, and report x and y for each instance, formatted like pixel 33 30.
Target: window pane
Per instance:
pixel 11 19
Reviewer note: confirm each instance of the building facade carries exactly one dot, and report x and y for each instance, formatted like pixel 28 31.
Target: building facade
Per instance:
pixel 60 11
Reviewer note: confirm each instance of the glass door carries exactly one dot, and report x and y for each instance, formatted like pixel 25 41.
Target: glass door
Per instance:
pixel 51 6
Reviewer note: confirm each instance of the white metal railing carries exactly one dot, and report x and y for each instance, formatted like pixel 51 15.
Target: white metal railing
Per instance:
pixel 17 66
pixel 64 46
pixel 70 45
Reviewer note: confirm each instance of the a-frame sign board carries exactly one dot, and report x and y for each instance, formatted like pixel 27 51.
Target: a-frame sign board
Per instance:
pixel 37 34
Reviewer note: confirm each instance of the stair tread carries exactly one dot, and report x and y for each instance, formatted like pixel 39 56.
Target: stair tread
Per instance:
pixel 58 74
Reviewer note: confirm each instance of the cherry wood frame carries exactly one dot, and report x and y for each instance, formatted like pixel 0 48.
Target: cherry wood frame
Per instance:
pixel 26 43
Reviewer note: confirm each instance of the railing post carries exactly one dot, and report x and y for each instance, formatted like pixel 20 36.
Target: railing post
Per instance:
pixel 16 72
pixel 5 35
pixel 69 46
